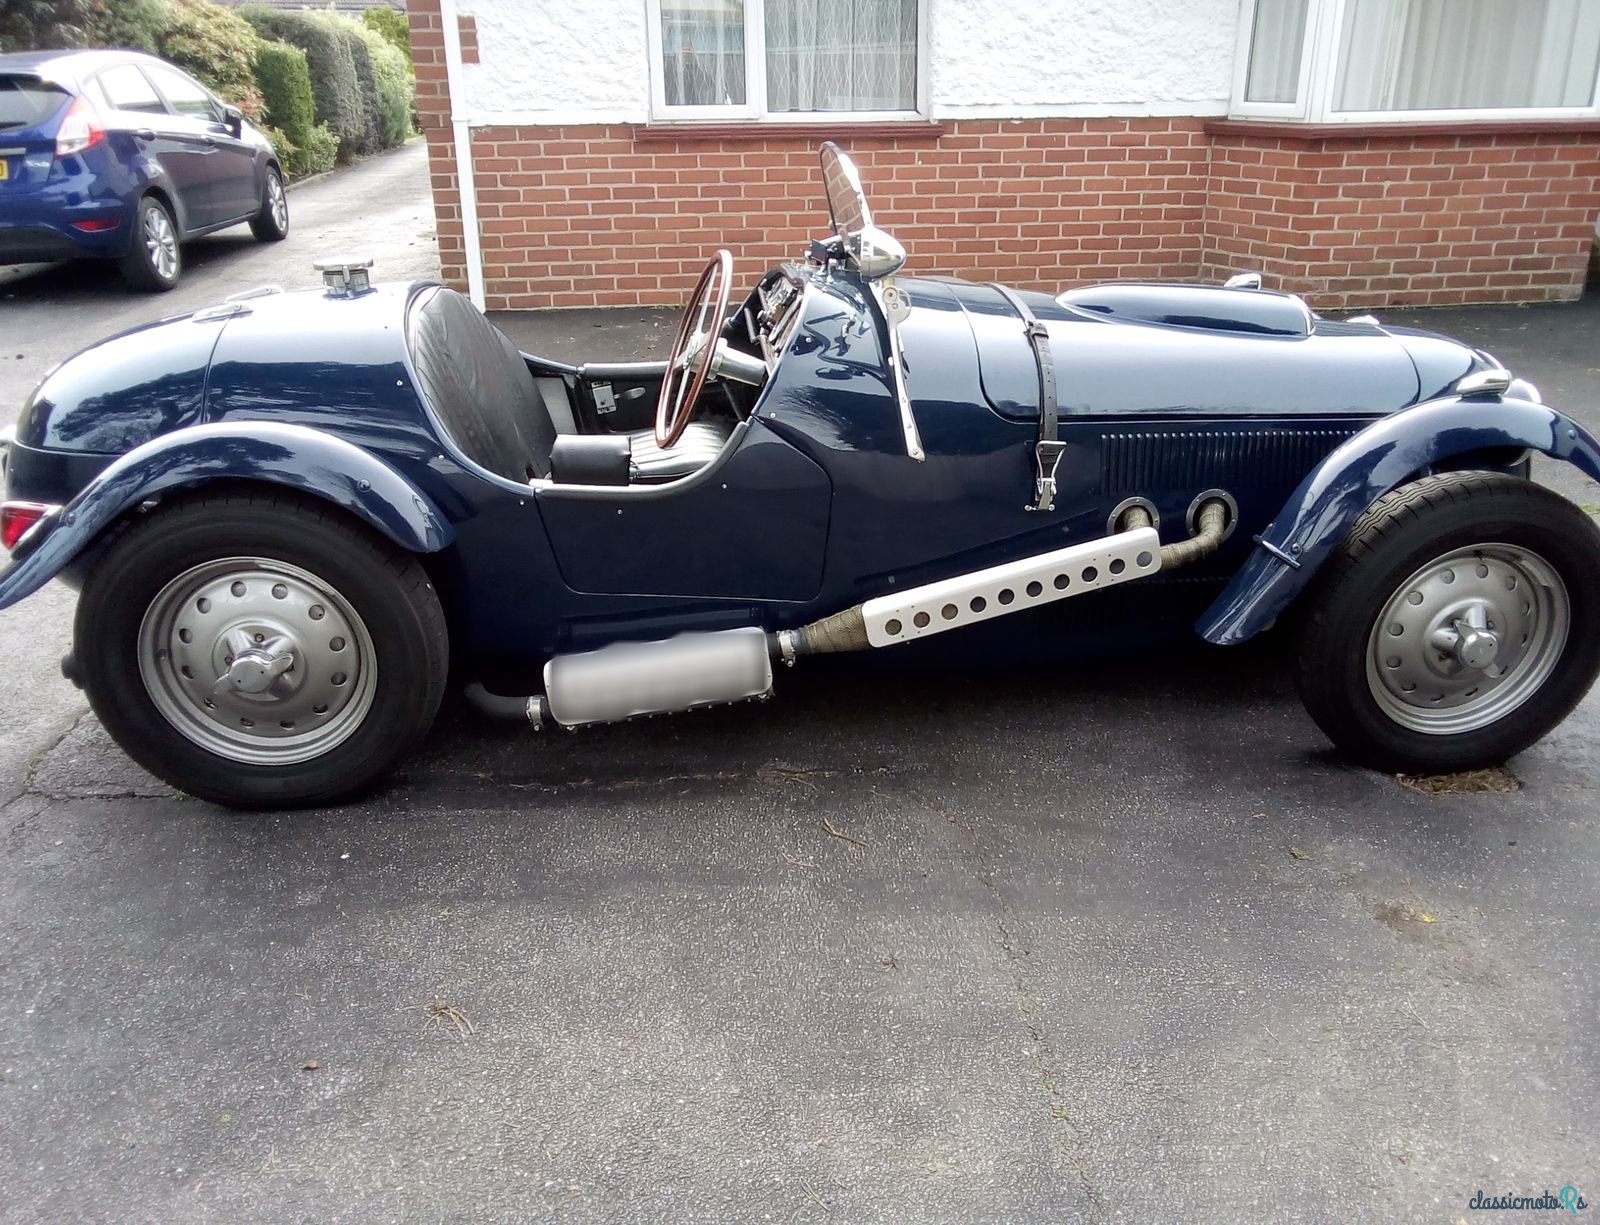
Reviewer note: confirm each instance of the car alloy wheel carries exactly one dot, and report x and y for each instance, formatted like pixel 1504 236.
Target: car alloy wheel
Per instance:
pixel 160 243
pixel 277 202
pixel 257 661
pixel 1467 639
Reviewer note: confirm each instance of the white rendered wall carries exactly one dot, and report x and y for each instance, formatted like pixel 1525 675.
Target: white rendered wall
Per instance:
pixel 587 61
pixel 557 61
pixel 1074 57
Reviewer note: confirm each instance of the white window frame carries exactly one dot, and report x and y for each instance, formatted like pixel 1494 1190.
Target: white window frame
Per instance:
pixel 1318 77
pixel 754 108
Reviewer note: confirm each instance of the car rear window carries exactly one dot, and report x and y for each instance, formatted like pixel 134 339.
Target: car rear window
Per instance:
pixel 26 101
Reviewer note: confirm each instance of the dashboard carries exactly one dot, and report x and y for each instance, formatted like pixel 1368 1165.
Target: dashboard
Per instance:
pixel 771 316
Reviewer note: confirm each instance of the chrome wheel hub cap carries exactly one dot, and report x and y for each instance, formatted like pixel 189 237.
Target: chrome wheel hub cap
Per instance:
pixel 160 243
pixel 257 661
pixel 278 202
pixel 1467 639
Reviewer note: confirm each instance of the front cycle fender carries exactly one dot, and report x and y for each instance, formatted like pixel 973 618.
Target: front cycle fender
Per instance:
pixel 1325 506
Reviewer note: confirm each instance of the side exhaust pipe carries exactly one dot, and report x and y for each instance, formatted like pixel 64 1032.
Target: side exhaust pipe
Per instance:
pixel 628 679
pixel 934 608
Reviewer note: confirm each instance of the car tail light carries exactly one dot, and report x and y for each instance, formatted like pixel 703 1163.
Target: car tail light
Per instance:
pixel 80 128
pixel 17 518
pixel 95 225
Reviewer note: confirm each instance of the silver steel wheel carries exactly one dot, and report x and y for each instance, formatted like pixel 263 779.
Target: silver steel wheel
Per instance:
pixel 1467 639
pixel 160 243
pixel 257 661
pixel 277 203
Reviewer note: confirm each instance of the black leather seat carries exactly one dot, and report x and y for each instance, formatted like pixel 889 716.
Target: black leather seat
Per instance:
pixel 701 443
pixel 483 393
pixel 478 386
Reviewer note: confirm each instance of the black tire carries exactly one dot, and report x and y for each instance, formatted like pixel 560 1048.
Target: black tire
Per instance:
pixel 396 609
pixel 157 268
pixel 271 224
pixel 1400 535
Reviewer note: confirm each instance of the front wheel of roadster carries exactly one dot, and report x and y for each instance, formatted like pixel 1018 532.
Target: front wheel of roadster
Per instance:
pixel 1455 626
pixel 260 650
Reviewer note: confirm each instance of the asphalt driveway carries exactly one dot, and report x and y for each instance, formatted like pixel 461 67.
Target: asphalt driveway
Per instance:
pixel 1117 942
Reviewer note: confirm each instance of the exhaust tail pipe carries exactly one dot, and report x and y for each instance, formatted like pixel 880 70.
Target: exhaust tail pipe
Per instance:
pixel 498 706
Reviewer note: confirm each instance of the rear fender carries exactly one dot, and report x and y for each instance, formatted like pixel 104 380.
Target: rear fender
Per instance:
pixel 291 456
pixel 1322 510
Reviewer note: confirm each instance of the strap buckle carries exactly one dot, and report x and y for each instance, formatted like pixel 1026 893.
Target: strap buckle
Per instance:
pixel 1046 454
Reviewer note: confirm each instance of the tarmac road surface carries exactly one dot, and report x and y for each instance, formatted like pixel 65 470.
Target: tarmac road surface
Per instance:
pixel 1108 943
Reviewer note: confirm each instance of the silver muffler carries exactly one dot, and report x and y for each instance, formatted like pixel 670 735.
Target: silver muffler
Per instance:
pixel 628 679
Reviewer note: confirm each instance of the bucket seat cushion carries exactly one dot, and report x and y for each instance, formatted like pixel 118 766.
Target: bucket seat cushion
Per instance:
pixel 701 442
pixel 479 387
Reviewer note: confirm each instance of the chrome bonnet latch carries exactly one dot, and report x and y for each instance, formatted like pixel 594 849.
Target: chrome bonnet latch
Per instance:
pixel 1046 455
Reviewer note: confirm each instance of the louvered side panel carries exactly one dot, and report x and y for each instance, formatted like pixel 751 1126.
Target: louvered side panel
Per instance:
pixel 1150 460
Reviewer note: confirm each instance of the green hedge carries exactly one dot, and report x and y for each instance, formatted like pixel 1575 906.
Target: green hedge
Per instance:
pixel 38 25
pixel 304 146
pixel 315 156
pixel 353 37
pixel 394 28
pixel 285 84
pixel 396 89
pixel 387 91
pixel 336 94
pixel 218 46
pixel 138 24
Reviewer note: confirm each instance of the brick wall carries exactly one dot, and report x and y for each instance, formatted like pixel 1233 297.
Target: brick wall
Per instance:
pixel 1405 217
pixel 433 116
pixel 607 215
pixel 613 215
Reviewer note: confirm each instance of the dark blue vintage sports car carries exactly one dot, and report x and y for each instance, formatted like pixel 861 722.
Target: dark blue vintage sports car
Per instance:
pixel 293 517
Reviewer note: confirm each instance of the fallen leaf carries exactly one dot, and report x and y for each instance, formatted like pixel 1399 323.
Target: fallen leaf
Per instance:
pixel 311 1065
pixel 1298 853
pixel 1468 782
pixel 1427 918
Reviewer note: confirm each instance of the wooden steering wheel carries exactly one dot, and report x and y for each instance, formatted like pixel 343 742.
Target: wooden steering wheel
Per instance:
pixel 693 350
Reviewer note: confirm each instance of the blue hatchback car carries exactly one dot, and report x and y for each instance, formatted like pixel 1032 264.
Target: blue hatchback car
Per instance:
pixel 118 155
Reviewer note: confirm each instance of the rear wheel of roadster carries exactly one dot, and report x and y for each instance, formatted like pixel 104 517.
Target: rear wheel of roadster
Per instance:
pixel 1454 627
pixel 260 650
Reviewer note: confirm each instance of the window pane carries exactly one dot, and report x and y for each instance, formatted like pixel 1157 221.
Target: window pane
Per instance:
pixel 1275 46
pixel 841 55
pixel 1405 55
pixel 702 52
pixel 25 101
pixel 187 97
pixel 127 90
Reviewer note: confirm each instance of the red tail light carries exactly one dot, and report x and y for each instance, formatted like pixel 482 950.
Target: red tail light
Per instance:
pixel 95 225
pixel 16 518
pixel 80 128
